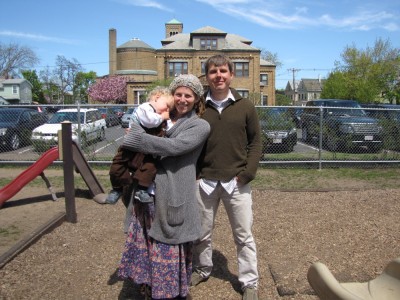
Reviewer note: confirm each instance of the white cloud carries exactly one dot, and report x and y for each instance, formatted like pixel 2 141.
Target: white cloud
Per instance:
pixel 145 3
pixel 289 15
pixel 37 37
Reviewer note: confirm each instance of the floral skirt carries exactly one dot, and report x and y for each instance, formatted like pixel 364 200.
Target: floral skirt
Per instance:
pixel 165 268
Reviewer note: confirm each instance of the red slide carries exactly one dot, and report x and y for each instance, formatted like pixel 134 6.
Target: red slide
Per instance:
pixel 28 175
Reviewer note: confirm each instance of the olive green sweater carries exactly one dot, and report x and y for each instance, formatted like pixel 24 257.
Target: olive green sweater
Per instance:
pixel 233 147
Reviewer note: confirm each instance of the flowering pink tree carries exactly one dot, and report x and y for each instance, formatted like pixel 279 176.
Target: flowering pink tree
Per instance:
pixel 109 90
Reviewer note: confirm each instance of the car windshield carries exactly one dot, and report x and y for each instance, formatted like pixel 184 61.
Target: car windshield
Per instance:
pixel 71 116
pixel 130 110
pixel 350 109
pixel 9 116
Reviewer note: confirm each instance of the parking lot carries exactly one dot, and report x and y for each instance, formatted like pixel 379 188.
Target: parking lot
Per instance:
pixel 284 142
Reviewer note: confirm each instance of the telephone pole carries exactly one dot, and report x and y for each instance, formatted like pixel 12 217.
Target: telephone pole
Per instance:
pixel 293 70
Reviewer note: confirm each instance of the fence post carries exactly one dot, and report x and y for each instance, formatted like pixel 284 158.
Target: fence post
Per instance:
pixel 321 112
pixel 68 166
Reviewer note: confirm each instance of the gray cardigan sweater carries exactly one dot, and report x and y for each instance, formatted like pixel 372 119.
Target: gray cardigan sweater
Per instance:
pixel 177 215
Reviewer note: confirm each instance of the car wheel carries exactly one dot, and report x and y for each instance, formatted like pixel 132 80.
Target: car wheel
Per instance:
pixel 15 141
pixel 376 148
pixel 331 144
pixel 304 135
pixel 102 134
pixel 84 141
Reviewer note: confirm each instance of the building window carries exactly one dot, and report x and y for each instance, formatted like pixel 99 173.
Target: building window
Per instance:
pixel 264 79
pixel 264 100
pixel 242 69
pixel 138 97
pixel 203 67
pixel 208 44
pixel 243 93
pixel 177 68
pixel 15 89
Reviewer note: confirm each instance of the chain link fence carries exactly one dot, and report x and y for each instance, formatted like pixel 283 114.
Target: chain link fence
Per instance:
pixel 291 136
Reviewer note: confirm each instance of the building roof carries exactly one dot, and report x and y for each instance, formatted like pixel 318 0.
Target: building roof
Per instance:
pixel 13 81
pixel 135 43
pixel 311 84
pixel 182 41
pixel 266 63
pixel 174 21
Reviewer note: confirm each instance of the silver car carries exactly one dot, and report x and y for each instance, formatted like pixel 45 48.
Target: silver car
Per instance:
pixel 127 117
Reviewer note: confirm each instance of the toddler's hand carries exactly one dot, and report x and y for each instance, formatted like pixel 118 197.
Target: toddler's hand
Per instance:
pixel 165 115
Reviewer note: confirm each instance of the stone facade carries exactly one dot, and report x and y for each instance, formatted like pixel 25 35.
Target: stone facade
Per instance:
pixel 185 53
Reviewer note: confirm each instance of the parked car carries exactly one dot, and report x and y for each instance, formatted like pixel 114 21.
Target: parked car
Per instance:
pixel 119 111
pixel 111 118
pixel 388 116
pixel 295 113
pixel 16 125
pixel 92 127
pixel 278 130
pixel 126 117
pixel 345 125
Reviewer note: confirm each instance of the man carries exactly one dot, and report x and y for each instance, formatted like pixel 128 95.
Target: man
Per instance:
pixel 228 163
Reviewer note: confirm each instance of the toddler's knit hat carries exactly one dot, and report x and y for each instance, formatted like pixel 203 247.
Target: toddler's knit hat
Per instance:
pixel 189 81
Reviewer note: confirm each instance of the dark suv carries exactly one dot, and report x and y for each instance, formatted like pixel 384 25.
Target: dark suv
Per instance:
pixel 16 125
pixel 342 124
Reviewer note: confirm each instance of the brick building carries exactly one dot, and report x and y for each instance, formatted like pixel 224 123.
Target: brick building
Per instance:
pixel 183 53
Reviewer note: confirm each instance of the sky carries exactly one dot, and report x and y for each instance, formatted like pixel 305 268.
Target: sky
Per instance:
pixel 307 36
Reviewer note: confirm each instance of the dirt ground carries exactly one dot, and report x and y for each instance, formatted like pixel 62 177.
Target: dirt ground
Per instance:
pixel 353 230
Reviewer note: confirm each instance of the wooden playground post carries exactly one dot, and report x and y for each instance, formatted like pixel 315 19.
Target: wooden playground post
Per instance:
pixel 65 148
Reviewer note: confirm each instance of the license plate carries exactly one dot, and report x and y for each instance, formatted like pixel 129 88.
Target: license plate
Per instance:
pixel 369 138
pixel 277 141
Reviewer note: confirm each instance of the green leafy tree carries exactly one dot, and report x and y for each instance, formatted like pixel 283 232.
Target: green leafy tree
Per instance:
pixel 281 99
pixel 51 89
pixel 336 87
pixel 37 87
pixel 369 75
pixel 83 81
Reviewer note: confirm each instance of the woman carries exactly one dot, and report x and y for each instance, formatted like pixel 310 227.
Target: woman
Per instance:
pixel 158 250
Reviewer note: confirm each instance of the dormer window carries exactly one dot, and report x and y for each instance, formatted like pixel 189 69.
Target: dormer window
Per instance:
pixel 208 44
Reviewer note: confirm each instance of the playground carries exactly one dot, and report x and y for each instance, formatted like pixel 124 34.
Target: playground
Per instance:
pixel 353 230
pixel 66 244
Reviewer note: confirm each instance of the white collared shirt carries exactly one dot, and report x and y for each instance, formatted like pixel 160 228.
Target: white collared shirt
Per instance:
pixel 220 104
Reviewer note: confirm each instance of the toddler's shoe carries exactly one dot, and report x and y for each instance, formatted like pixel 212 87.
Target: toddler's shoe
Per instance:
pixel 113 197
pixel 143 196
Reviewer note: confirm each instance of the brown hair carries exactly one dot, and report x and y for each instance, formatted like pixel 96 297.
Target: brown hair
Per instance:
pixel 218 60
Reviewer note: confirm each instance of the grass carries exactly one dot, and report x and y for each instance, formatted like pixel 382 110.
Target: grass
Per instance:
pixel 9 232
pixel 268 177
pixel 303 179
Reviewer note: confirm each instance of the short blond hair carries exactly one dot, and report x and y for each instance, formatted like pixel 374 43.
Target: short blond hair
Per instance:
pixel 158 91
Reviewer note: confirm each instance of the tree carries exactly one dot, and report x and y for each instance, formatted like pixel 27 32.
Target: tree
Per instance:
pixel 109 90
pixel 82 83
pixel 271 57
pixel 14 58
pixel 281 99
pixel 66 72
pixel 37 87
pixel 50 87
pixel 366 75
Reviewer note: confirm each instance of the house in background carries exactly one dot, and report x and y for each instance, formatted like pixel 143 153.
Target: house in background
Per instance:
pixel 183 53
pixel 16 91
pixel 291 91
pixel 306 89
